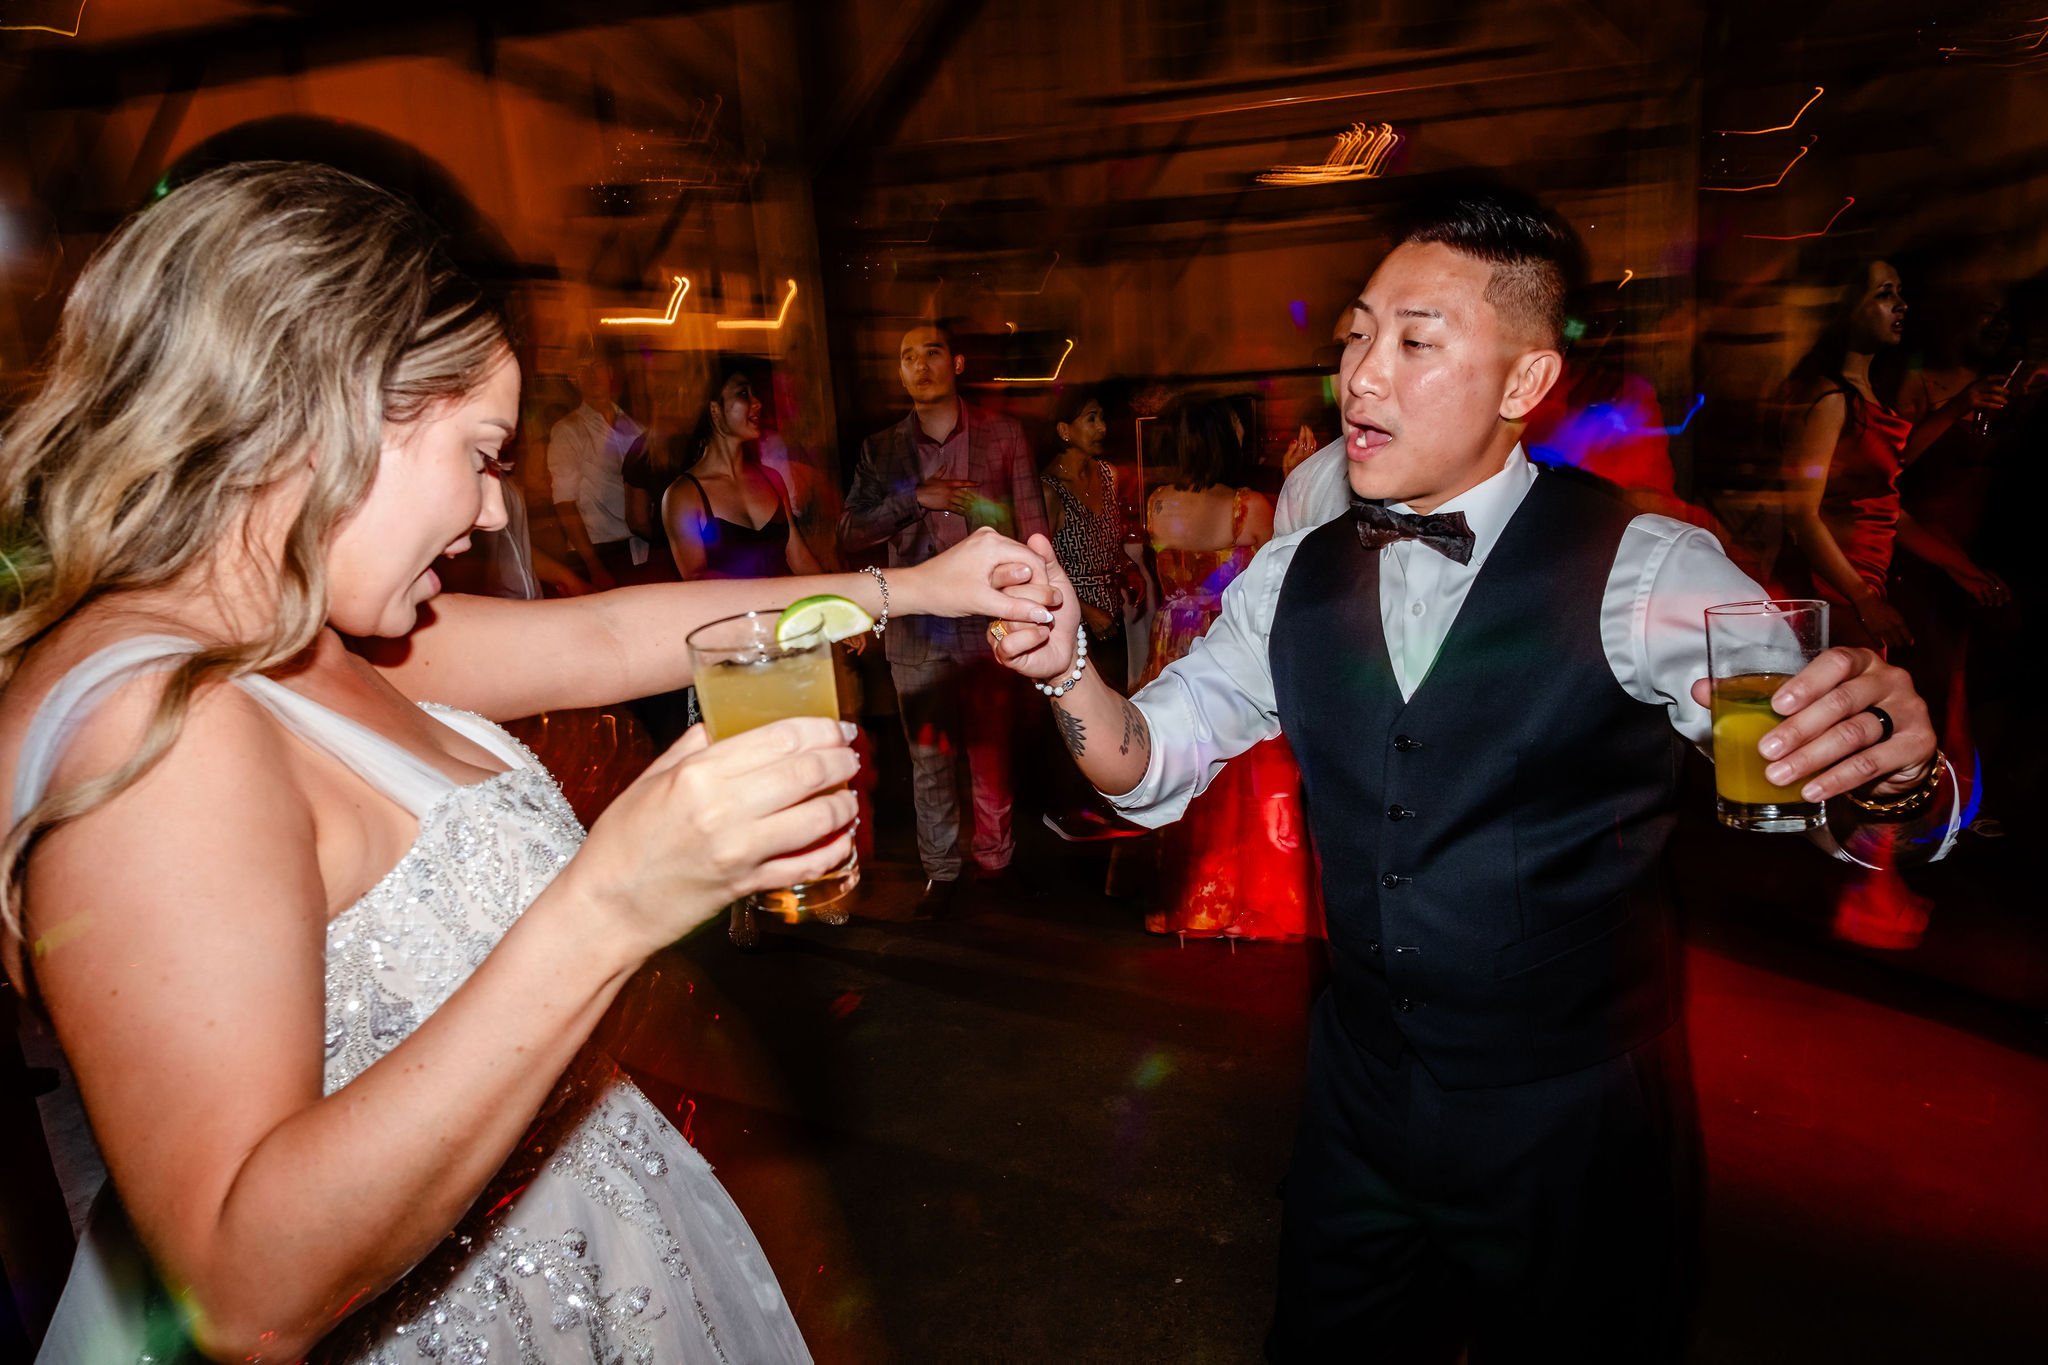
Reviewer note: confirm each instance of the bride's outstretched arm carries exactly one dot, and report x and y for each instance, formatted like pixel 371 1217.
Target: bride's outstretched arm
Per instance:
pixel 179 933
pixel 506 658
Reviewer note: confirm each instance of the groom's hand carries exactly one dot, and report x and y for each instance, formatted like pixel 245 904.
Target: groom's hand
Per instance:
pixel 1830 735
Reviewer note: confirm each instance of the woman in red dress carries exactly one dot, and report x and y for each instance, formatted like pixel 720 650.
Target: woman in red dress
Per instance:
pixel 1847 448
pixel 1238 864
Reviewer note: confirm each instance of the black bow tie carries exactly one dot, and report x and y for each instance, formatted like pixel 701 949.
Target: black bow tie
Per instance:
pixel 1444 532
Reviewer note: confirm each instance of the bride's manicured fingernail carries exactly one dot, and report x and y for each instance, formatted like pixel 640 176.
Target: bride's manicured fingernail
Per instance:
pixel 1044 618
pixel 849 731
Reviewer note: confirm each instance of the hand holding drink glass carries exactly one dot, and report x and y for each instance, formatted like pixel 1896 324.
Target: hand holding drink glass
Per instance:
pixel 761 667
pixel 1754 649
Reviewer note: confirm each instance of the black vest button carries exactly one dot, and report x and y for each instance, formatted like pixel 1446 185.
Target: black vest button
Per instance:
pixel 1394 879
pixel 1406 745
pixel 1404 1004
pixel 1397 811
pixel 1372 945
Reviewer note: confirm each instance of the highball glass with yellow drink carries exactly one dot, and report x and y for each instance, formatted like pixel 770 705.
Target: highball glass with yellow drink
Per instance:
pixel 745 679
pixel 1753 649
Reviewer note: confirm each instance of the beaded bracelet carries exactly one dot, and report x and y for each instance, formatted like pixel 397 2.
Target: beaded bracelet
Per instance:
pixel 882 621
pixel 1906 806
pixel 1060 689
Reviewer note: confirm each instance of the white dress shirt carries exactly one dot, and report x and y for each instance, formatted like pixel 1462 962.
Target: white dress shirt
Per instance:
pixel 1217 702
pixel 586 466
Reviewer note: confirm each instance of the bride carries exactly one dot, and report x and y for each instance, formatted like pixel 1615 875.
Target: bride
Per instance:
pixel 321 943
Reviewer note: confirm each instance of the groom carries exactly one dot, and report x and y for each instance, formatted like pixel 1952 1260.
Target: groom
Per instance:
pixel 1487 674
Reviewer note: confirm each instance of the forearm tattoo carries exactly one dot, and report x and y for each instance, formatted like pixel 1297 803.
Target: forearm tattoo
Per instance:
pixel 1073 730
pixel 1135 731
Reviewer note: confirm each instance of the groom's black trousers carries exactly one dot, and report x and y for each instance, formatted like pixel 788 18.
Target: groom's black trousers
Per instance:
pixel 1548 1221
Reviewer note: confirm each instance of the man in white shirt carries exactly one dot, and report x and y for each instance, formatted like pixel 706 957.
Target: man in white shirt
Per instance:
pixel 1486 672
pixel 586 459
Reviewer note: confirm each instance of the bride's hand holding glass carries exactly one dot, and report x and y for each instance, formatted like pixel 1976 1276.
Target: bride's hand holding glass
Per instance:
pixel 708 824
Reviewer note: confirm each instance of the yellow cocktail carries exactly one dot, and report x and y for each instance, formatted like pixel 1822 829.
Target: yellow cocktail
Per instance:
pixel 746 678
pixel 1753 649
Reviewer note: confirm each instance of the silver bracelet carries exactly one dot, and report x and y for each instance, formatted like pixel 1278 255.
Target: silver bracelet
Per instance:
pixel 882 621
pixel 1060 689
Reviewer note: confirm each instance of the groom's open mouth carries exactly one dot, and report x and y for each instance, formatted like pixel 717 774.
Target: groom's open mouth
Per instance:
pixel 1366 439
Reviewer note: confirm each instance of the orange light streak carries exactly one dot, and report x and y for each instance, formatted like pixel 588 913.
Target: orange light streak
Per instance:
pixel 1984 50
pixel 1360 153
pixel 763 324
pixel 1626 276
pixel 72 32
pixel 1751 189
pixel 1039 378
pixel 668 319
pixel 1802 236
pixel 1818 91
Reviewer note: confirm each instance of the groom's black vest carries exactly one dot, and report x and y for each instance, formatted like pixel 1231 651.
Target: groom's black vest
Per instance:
pixel 1490 848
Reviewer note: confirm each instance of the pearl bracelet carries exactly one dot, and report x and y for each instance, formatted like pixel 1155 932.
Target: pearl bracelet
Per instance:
pixel 1066 685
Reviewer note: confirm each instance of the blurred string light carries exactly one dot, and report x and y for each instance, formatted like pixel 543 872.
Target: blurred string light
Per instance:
pixel 763 324
pixel 1803 236
pixel 1058 365
pixel 668 319
pixel 1767 185
pixel 2025 46
pixel 1818 91
pixel 77 23
pixel 1360 153
pixel 1626 276
pixel 1044 280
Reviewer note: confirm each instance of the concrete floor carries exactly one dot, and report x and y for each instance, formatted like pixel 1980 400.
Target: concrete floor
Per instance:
pixel 1037 1133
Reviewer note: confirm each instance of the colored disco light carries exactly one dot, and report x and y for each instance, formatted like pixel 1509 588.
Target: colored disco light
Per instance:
pixel 1059 365
pixel 1360 153
pixel 1803 236
pixel 667 319
pixel 77 22
pixel 1768 185
pixel 1818 91
pixel 764 324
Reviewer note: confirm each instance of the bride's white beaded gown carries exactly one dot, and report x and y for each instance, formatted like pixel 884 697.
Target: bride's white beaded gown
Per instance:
pixel 605 1237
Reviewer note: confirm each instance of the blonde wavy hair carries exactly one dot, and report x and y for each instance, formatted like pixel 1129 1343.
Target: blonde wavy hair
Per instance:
pixel 263 317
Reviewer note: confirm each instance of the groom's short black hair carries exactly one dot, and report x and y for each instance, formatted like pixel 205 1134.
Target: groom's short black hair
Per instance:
pixel 1536 257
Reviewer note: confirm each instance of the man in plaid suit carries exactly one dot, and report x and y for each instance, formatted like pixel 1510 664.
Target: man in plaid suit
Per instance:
pixel 922 485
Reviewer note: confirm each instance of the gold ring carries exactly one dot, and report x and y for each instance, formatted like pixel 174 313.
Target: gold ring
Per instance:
pixel 996 631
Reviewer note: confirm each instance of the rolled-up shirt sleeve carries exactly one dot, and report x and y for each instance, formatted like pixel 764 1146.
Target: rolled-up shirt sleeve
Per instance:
pixel 1216 702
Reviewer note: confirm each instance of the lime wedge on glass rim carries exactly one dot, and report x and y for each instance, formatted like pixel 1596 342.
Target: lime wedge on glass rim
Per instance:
pixel 837 618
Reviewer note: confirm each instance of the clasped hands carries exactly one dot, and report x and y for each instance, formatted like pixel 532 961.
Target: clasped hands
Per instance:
pixel 1830 742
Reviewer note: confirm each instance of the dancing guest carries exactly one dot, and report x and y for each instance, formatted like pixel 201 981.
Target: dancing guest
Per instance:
pixel 727 515
pixel 586 458
pixel 1845 451
pixel 323 945
pixel 1485 671
pixel 922 485
pixel 1236 865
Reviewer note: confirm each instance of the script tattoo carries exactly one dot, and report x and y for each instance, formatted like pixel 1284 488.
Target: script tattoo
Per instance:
pixel 1073 731
pixel 1135 731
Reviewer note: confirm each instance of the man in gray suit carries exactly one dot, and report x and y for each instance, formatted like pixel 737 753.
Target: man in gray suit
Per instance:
pixel 922 485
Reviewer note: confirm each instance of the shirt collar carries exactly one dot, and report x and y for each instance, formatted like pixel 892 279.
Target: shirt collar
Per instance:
pixel 922 437
pixel 1489 505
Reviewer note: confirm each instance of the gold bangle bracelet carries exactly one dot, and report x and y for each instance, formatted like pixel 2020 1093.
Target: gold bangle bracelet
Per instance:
pixel 1912 803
